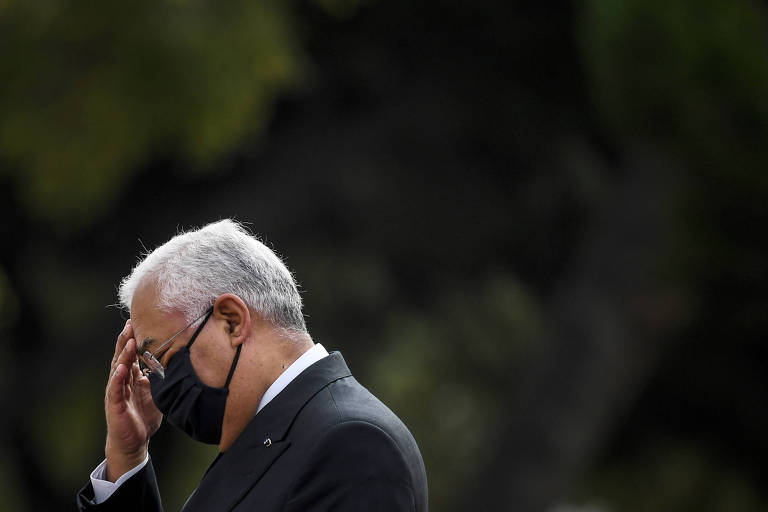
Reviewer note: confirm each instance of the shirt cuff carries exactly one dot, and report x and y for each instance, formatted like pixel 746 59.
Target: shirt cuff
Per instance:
pixel 103 488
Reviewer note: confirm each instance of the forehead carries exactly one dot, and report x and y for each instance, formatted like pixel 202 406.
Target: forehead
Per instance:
pixel 148 320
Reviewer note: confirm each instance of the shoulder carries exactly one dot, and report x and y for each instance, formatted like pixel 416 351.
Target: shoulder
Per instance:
pixel 353 402
pixel 354 465
pixel 345 410
pixel 355 405
pixel 362 431
pixel 362 449
pixel 354 447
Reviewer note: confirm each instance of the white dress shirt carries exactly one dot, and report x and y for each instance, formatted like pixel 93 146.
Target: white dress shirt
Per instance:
pixel 103 488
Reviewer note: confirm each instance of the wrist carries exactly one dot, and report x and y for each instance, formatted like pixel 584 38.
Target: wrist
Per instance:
pixel 119 463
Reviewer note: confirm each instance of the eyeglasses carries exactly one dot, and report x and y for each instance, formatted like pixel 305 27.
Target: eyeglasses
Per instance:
pixel 149 363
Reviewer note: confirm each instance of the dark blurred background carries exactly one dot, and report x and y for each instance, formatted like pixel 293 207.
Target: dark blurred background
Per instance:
pixel 532 229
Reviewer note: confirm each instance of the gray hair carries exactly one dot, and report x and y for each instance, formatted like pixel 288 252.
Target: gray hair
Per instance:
pixel 193 268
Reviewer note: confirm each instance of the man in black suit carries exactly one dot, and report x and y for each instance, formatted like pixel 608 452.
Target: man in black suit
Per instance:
pixel 217 343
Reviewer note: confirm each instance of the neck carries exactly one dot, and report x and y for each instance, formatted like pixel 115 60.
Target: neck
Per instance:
pixel 264 356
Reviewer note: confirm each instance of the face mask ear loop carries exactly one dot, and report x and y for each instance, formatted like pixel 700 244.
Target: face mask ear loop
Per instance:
pixel 200 328
pixel 234 364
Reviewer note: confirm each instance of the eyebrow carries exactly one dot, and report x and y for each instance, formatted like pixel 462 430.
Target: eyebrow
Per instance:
pixel 144 346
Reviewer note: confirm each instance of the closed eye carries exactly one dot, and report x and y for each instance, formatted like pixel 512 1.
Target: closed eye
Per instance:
pixel 145 344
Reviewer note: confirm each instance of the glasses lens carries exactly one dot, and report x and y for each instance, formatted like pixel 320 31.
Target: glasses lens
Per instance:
pixel 151 365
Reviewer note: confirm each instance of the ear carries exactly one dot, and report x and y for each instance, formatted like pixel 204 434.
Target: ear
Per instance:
pixel 231 309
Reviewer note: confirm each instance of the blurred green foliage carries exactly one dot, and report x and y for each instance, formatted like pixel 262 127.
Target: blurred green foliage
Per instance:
pixel 688 76
pixel 341 9
pixel 12 493
pixel 186 461
pixel 91 91
pixel 446 371
pixel 93 94
pixel 673 477
pixel 69 410
pixel 9 304
pixel 690 79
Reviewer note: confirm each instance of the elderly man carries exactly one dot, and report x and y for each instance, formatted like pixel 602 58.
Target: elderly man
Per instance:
pixel 217 343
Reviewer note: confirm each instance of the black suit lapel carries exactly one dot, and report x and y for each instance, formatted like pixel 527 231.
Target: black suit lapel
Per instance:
pixel 231 478
pixel 263 441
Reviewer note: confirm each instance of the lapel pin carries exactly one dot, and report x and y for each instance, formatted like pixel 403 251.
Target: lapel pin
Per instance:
pixel 267 442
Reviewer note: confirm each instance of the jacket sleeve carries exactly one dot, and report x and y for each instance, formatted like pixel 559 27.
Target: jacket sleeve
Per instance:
pixel 355 466
pixel 138 493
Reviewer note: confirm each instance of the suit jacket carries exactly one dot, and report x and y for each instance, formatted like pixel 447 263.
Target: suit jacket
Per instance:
pixel 324 443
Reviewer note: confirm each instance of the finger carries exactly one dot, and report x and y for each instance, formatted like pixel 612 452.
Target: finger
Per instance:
pixel 128 355
pixel 142 382
pixel 144 393
pixel 149 412
pixel 135 373
pixel 116 387
pixel 122 339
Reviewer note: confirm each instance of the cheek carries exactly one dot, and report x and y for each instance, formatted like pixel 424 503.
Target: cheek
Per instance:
pixel 208 364
pixel 167 357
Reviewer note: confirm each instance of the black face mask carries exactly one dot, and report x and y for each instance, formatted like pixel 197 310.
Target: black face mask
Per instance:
pixel 187 403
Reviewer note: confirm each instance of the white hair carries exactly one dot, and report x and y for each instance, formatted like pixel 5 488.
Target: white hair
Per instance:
pixel 192 269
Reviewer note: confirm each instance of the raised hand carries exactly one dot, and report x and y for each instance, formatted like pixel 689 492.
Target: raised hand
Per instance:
pixel 132 417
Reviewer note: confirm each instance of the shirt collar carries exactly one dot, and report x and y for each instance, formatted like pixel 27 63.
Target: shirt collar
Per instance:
pixel 307 359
